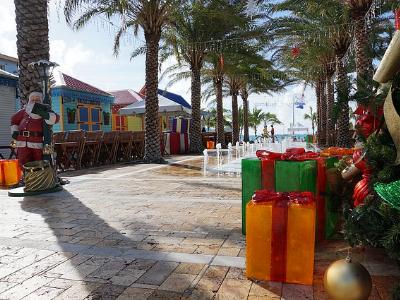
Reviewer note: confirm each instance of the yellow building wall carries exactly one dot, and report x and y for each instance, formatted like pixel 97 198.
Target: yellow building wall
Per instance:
pixel 135 123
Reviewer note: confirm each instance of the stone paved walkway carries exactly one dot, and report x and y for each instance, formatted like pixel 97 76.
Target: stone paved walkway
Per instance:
pixel 145 232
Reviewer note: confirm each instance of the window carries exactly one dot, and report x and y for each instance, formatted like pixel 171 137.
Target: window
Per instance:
pixel 89 117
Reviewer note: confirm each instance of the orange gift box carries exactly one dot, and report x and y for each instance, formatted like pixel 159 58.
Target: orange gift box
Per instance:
pixel 336 151
pixel 280 237
pixel 10 172
pixel 210 145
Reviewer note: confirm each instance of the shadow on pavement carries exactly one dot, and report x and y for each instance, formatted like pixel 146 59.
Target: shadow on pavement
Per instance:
pixel 106 262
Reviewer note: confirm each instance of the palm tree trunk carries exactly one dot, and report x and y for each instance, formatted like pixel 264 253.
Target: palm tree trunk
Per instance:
pixel 318 94
pixel 32 42
pixel 245 117
pixel 363 57
pixel 152 151
pixel 323 113
pixel 235 119
pixel 330 128
pixel 343 136
pixel 196 144
pixel 220 112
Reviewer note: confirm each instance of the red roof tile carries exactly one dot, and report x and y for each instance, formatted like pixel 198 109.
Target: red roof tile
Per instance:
pixel 125 97
pixel 76 84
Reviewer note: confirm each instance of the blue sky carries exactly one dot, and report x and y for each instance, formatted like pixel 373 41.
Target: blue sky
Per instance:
pixel 87 55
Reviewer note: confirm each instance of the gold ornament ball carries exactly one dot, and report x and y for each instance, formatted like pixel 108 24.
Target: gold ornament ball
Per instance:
pixel 347 280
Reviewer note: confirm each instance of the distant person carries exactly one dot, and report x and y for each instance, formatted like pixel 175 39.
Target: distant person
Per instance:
pixel 265 133
pixel 203 129
pixel 273 133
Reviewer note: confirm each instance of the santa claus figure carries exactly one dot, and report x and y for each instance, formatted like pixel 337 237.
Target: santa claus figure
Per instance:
pixel 27 128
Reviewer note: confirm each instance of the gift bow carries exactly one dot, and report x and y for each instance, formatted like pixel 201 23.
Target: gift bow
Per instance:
pixel 302 198
pixel 295 154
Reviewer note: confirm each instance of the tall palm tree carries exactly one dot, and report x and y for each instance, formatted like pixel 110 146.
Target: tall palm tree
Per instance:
pixel 312 116
pixel 151 16
pixel 233 83
pixel 32 42
pixel 195 24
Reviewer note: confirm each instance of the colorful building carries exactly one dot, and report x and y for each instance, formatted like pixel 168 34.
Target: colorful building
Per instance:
pixel 80 105
pixel 9 64
pixel 124 98
pixel 8 102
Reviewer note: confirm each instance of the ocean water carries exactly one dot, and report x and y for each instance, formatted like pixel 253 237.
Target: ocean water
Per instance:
pixel 280 137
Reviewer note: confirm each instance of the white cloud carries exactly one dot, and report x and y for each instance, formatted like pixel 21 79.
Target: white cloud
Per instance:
pixel 8 46
pixel 7 17
pixel 8 28
pixel 69 57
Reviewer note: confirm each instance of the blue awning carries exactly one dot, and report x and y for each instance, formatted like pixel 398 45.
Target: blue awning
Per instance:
pixel 174 97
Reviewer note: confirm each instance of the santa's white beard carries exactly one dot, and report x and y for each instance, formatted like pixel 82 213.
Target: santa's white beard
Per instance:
pixel 28 110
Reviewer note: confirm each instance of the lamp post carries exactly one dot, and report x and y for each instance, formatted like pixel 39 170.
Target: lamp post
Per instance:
pixel 45 69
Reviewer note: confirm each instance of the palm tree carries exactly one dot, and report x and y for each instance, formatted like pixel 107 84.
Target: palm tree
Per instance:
pixel 358 10
pixel 32 42
pixel 195 23
pixel 240 113
pixel 256 117
pixel 270 118
pixel 234 87
pixel 151 16
pixel 312 116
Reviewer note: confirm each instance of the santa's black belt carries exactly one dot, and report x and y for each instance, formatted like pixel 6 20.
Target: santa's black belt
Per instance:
pixel 26 133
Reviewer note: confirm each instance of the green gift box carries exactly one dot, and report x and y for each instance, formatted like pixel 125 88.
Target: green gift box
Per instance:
pixel 251 181
pixel 332 211
pixel 296 176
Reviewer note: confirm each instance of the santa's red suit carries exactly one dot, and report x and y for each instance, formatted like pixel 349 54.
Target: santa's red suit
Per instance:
pixel 27 128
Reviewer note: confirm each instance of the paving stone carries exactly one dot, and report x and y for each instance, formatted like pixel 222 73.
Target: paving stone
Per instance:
pixel 233 289
pixel 4 286
pixel 38 267
pixel 236 273
pixel 188 268
pixel 127 276
pixel 61 283
pixel 177 282
pixel 207 249
pixel 216 272
pixel 296 291
pixel 44 292
pixel 271 290
pixel 109 269
pixel 106 291
pixel 233 251
pixel 163 295
pixel 209 284
pixel 198 294
pixel 158 273
pixel 25 288
pixel 141 264
pixel 135 293
pixel 80 290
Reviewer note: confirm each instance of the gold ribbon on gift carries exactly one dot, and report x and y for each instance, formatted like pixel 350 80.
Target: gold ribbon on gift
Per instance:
pixel 39 176
pixel 390 63
pixel 392 120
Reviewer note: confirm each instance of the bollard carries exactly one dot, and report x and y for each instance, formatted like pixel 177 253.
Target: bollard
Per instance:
pixel 205 161
pixel 237 149
pixel 218 146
